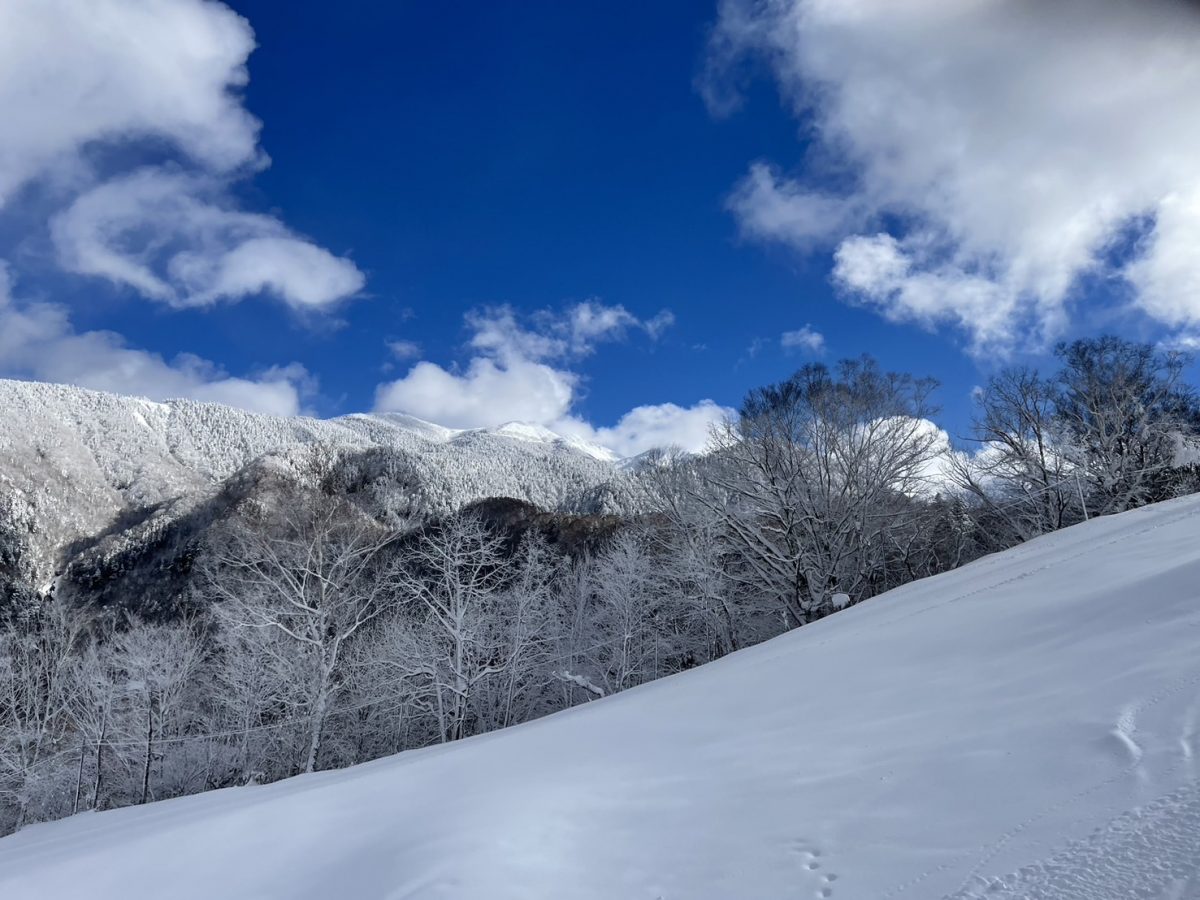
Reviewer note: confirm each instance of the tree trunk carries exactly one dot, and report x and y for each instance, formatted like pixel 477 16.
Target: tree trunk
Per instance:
pixel 314 734
pixel 79 777
pixel 149 747
pixel 99 761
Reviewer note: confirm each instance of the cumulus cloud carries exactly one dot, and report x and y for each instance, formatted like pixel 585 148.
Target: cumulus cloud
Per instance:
pixel 647 427
pixel 37 341
pixel 489 392
pixel 1013 148
pixel 160 74
pixel 520 372
pixel 806 339
pixel 118 70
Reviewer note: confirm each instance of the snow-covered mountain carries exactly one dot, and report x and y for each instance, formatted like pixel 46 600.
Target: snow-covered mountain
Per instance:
pixel 75 463
pixel 1027 726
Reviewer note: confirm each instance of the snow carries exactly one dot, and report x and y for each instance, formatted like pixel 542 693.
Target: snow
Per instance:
pixel 74 459
pixel 1026 726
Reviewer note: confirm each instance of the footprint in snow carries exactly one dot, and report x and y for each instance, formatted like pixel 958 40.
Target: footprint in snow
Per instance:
pixel 810 860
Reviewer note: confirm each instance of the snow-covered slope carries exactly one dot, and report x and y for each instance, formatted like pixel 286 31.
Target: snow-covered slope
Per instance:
pixel 1036 713
pixel 72 460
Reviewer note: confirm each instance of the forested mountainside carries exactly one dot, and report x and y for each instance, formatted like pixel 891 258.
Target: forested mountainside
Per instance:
pixel 92 483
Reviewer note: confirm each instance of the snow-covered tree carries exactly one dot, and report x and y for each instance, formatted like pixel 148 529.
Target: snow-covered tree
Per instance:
pixel 1126 407
pixel 804 480
pixel 37 653
pixel 313 571
pixel 456 583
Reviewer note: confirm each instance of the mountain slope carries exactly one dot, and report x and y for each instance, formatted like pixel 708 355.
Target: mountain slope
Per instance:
pixel 1036 713
pixel 75 463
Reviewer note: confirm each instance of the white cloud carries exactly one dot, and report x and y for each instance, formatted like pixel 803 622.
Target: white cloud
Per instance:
pixel 1009 146
pixel 401 349
pixel 574 332
pixel 1167 274
pixel 497 333
pixel 489 392
pixel 806 339
pixel 37 341
pixel 519 374
pixel 647 427
pixel 165 73
pixel 168 236
pixel 657 324
pixel 511 377
pixel 877 272
pixel 771 207
pixel 590 322
pixel 71 76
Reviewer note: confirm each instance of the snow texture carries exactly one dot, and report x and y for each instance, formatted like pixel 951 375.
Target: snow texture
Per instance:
pixel 72 461
pixel 1025 726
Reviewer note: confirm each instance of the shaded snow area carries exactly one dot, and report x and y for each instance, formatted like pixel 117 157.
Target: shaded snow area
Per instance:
pixel 1025 727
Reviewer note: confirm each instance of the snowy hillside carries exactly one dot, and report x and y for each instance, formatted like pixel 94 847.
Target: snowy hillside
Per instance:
pixel 72 460
pixel 1026 726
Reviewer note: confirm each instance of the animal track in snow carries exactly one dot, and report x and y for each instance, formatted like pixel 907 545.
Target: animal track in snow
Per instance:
pixel 810 860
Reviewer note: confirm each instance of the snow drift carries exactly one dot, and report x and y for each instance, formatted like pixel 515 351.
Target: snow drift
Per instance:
pixel 1026 726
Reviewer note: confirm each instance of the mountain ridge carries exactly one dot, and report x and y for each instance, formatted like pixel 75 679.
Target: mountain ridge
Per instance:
pixel 74 461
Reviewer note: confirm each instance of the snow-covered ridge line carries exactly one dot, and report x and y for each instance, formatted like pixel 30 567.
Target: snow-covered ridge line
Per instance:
pixel 71 460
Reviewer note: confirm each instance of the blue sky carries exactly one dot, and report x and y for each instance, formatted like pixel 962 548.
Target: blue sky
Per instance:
pixel 459 188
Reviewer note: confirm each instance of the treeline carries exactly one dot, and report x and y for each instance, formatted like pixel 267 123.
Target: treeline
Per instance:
pixel 315 633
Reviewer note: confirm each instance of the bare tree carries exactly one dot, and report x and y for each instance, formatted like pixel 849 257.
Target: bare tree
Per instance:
pixel 804 480
pixel 1125 406
pixel 454 576
pixel 1021 474
pixel 36 658
pixel 631 617
pixel 314 573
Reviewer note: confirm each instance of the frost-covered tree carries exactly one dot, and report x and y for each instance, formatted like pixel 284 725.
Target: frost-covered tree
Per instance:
pixel 37 653
pixel 1021 473
pixel 310 574
pixel 476 614
pixel 155 671
pixel 1105 433
pixel 1127 409
pixel 804 481
pixel 631 617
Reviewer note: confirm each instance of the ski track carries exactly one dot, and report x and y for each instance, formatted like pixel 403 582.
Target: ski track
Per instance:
pixel 1152 852
pixel 1122 731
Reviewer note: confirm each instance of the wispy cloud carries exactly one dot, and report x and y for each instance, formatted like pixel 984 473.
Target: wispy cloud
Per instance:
pixel 805 339
pixel 126 75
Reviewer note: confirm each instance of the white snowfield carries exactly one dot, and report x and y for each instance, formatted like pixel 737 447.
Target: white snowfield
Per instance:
pixel 1027 726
